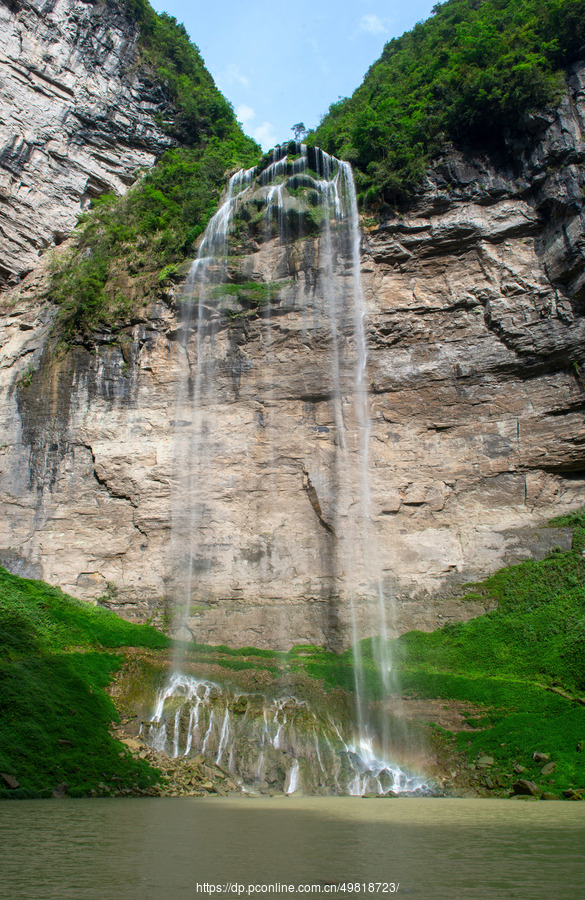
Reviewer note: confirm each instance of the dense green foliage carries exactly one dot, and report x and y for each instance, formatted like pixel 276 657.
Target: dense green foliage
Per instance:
pixel 54 712
pixel 536 633
pixel 35 617
pixel 472 73
pixel 149 231
pixel 145 234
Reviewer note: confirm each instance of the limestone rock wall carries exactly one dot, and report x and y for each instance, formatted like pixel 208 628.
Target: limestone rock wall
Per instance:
pixel 77 119
pixel 476 351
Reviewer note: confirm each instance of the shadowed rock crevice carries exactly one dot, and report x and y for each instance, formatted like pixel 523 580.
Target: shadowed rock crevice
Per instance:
pixel 314 501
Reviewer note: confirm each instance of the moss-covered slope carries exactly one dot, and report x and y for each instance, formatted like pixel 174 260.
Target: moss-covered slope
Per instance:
pixel 56 659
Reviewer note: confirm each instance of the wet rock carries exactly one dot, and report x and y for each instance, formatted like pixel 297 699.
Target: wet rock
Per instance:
pixel 9 781
pixel 61 790
pixel 548 796
pixel 522 787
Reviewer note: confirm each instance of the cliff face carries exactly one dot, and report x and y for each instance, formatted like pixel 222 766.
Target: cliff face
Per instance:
pixel 77 119
pixel 476 342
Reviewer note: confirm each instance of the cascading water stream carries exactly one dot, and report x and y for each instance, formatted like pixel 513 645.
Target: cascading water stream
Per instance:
pixel 301 195
pixel 282 742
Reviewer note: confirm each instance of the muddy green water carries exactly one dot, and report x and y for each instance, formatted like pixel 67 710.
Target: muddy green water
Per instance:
pixel 138 849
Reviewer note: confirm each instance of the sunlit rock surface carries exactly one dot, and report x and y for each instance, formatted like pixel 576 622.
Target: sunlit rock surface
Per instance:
pixel 77 119
pixel 476 344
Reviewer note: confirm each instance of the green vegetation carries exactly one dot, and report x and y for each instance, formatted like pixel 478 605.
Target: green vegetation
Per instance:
pixel 151 230
pixel 247 299
pixel 54 712
pixel 27 375
pixel 522 666
pixel 35 617
pixel 236 659
pixel 471 74
pixel 145 234
pixel 201 110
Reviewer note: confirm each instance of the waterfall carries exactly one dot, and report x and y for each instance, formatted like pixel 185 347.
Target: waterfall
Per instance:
pixel 285 238
pixel 280 743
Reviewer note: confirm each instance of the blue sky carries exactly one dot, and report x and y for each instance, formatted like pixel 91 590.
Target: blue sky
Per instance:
pixel 280 63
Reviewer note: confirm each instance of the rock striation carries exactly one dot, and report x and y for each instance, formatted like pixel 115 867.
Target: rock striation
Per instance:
pixel 78 119
pixel 476 337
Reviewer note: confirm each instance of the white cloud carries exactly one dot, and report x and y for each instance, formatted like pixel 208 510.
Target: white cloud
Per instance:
pixel 372 24
pixel 245 114
pixel 265 135
pixel 232 75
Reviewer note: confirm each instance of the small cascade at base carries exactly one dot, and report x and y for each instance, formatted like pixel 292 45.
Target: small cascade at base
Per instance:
pixel 280 744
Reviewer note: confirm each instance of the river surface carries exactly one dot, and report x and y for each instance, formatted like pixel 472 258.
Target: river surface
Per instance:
pixel 150 849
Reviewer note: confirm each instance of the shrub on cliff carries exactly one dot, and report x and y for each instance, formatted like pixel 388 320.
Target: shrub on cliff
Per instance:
pixel 142 234
pixel 471 74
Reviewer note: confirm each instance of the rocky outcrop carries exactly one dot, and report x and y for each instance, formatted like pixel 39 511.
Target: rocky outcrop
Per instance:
pixel 476 352
pixel 78 119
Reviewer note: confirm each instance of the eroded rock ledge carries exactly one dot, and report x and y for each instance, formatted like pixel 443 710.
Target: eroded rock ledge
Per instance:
pixel 78 119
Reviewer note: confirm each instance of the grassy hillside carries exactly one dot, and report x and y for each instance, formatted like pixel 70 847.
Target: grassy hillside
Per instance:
pixel 126 249
pixel 521 668
pixel 56 659
pixel 472 74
